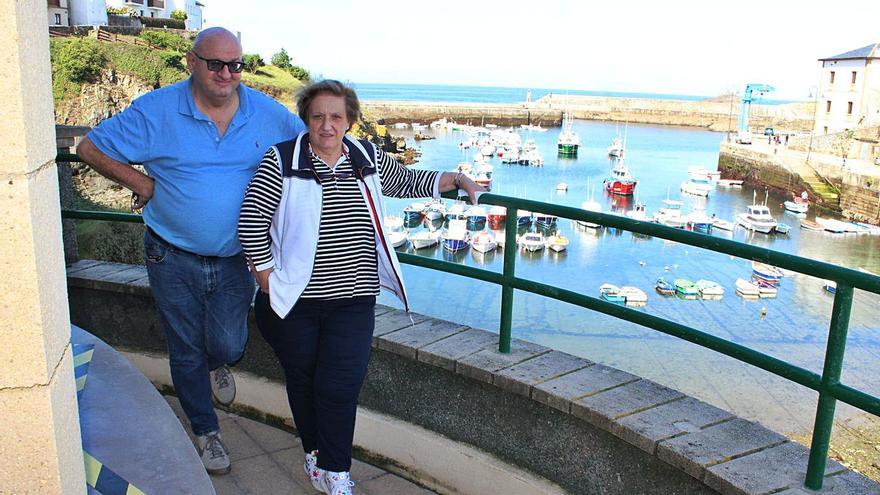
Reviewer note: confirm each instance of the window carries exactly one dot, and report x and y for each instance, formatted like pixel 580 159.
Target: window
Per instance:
pixel 849 108
pixel 853 81
pixel 152 14
pixel 58 19
pixel 831 80
pixel 827 106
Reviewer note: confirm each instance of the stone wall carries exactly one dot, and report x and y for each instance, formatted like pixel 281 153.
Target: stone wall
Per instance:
pixel 473 114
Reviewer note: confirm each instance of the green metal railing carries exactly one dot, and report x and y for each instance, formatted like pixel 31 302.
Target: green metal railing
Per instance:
pixel 827 384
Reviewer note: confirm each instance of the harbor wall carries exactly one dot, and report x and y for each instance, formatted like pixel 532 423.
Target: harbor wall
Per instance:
pixel 569 424
pixel 759 169
pixel 713 115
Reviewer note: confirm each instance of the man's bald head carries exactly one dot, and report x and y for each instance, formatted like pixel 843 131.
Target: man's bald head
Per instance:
pixel 214 34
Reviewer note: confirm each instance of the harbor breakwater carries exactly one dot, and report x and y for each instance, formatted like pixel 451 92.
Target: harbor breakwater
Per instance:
pixel 716 114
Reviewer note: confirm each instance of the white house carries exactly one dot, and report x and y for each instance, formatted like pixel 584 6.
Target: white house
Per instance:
pixel 849 91
pixel 94 12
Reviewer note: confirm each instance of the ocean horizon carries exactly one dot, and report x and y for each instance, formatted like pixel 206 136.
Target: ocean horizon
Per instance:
pixel 499 94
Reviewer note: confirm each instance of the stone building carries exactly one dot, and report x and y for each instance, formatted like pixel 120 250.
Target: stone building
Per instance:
pixel 849 91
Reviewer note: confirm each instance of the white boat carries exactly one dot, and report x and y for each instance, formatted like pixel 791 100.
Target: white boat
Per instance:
pixel 456 211
pixel 511 155
pixel 835 226
pixel 696 187
pixel 616 148
pixel 766 290
pixel 545 220
pixel 796 206
pixel 531 157
pixel 639 212
pixel 483 242
pixel 611 293
pixel 670 215
pixel 557 242
pixel 393 222
pixel 476 214
pixel 532 241
pixel 757 218
pixel 397 238
pixel 747 289
pixel 487 150
pixel 401 125
pixel 698 221
pixel 767 273
pixel 721 224
pixel 457 236
pixel 709 289
pixel 418 127
pixel 562 186
pixel 434 210
pixel 633 295
pixel 729 183
pixel 425 238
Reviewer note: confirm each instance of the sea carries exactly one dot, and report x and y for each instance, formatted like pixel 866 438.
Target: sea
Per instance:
pixel 793 326
pixel 498 94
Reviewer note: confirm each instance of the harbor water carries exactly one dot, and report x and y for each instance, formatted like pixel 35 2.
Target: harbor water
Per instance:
pixel 793 326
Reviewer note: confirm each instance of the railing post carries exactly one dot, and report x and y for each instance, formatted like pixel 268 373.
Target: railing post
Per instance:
pixel 830 376
pixel 507 276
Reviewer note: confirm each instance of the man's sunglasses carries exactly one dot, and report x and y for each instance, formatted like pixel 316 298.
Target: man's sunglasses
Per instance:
pixel 215 65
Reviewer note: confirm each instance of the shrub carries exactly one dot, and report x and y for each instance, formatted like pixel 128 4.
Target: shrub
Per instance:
pixel 162 22
pixel 171 59
pixel 299 73
pixel 179 15
pixel 252 62
pixel 79 60
pixel 120 11
pixel 281 59
pixel 167 40
pixel 149 65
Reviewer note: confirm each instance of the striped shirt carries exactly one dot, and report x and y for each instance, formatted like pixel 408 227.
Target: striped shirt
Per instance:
pixel 345 260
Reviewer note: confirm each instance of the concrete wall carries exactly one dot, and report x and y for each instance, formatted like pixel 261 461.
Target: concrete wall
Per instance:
pixel 474 114
pixel 40 444
pixel 586 427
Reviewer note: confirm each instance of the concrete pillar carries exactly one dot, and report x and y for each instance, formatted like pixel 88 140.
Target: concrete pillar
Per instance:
pixel 40 444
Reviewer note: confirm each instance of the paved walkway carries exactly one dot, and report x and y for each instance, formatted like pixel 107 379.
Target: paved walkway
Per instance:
pixel 267 460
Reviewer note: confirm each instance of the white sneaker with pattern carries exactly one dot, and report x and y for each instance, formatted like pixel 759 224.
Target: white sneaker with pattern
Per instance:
pixel 333 483
pixel 314 473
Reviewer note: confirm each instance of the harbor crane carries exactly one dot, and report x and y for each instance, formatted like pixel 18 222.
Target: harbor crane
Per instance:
pixel 751 93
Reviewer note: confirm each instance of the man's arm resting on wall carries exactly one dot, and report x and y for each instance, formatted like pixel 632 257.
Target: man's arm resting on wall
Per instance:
pixel 126 175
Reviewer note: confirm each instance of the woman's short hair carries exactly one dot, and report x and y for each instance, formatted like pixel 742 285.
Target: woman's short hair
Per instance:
pixel 328 86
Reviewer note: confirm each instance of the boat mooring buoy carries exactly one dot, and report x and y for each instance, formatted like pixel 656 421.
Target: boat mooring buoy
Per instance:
pixel 763 312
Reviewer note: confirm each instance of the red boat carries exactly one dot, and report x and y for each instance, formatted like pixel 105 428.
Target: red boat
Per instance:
pixel 497 216
pixel 620 181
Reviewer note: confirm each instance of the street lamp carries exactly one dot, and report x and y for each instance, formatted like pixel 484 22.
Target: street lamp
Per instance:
pixel 814 90
pixel 732 94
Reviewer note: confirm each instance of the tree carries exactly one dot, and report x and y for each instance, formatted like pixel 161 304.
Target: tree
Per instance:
pixel 842 144
pixel 281 59
pixel 252 62
pixel 179 15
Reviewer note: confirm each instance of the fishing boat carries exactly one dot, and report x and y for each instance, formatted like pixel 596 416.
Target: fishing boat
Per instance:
pixel 425 238
pixel 483 242
pixel 568 141
pixel 633 296
pixel 698 221
pixel 456 211
pixel 616 148
pixel 663 287
pixel 397 238
pixel 510 156
pixel 496 217
pixel 639 212
pixel 670 215
pixel 721 224
pixel 413 212
pixel 611 293
pixel 729 183
pixel 545 220
pixel 456 237
pixel 557 242
pixel 532 241
pixel 811 225
pixel 747 289
pixel 709 289
pixel 696 187
pixel 620 181
pixel 476 215
pixel 531 157
pixel 766 273
pixel 393 222
pixel 766 290
pixel 783 228
pixel 685 288
pixel 757 218
pixel 523 218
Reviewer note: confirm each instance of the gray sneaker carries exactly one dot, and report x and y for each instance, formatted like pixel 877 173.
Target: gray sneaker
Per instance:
pixel 215 457
pixel 223 385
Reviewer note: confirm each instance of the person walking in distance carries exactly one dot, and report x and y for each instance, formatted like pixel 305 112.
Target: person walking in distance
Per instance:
pixel 200 142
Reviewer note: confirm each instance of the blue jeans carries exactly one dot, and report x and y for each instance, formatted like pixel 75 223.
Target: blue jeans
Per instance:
pixel 203 302
pixel 324 348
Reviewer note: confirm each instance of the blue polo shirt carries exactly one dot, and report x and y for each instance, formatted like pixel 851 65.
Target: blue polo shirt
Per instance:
pixel 200 176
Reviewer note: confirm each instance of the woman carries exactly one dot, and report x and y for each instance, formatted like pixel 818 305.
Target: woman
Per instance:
pixel 311 226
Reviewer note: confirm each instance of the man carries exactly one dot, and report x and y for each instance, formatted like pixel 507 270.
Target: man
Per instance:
pixel 200 141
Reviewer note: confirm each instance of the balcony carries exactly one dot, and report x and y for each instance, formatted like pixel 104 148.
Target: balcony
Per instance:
pixel 156 4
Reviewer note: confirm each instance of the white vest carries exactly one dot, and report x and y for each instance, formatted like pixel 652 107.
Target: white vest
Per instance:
pixel 295 228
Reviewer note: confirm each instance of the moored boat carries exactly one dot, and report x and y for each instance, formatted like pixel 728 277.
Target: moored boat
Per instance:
pixel 523 218
pixel 456 212
pixel 483 242
pixel 698 221
pixel 532 241
pixel 393 222
pixel 721 224
pixel 620 181
pixel 425 238
pixel 568 141
pixel 633 296
pixel 766 290
pixel 811 225
pixel 685 288
pixel 496 217
pixel 729 183
pixel 796 206
pixel 545 220
pixel 476 215
pixel 663 287
pixel 557 242
pixel 456 237
pixel 747 289
pixel 766 273
pixel 782 228
pixel 709 289
pixel 611 293
pixel 413 212
pixel 757 218
pixel 670 215
pixel 397 238
pixel 830 286
pixel 696 187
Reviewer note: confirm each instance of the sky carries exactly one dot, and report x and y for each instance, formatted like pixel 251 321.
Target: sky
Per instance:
pixel 679 47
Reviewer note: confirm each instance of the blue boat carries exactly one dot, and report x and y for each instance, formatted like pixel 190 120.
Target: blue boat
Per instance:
pixel 611 293
pixel 663 287
pixel 545 220
pixel 456 237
